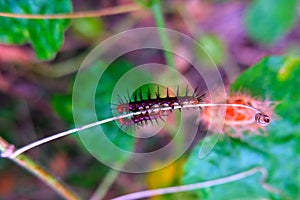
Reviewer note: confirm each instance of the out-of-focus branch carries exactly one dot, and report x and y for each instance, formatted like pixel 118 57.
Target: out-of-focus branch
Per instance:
pixel 98 13
pixel 37 170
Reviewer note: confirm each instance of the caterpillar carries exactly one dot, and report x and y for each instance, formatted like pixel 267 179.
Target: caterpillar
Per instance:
pixel 142 118
pixel 150 108
pixel 243 113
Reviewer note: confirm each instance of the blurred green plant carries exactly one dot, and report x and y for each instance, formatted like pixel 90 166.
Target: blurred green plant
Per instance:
pixel 63 103
pixel 45 35
pixel 92 176
pixel 214 47
pixel 267 21
pixel 276 78
pixel 89 29
pixel 147 3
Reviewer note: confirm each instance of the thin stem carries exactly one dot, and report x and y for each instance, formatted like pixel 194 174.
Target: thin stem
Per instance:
pixel 97 13
pixel 14 154
pixel 62 134
pixel 184 188
pixel 39 172
pixel 105 184
pixel 223 104
pixel 160 23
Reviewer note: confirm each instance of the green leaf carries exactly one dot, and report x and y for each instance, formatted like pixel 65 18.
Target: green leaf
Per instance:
pixel 276 78
pixel 45 35
pixel 227 157
pixel 267 21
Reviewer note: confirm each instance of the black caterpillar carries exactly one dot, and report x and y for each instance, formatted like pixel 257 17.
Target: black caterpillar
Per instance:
pixel 150 108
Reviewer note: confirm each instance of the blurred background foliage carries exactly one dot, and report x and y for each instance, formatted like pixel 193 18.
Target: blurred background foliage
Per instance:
pixel 38 63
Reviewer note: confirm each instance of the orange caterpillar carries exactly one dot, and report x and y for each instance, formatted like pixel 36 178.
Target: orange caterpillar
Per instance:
pixel 239 120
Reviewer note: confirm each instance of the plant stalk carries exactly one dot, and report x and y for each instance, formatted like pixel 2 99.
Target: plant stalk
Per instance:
pixel 160 23
pixel 38 171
